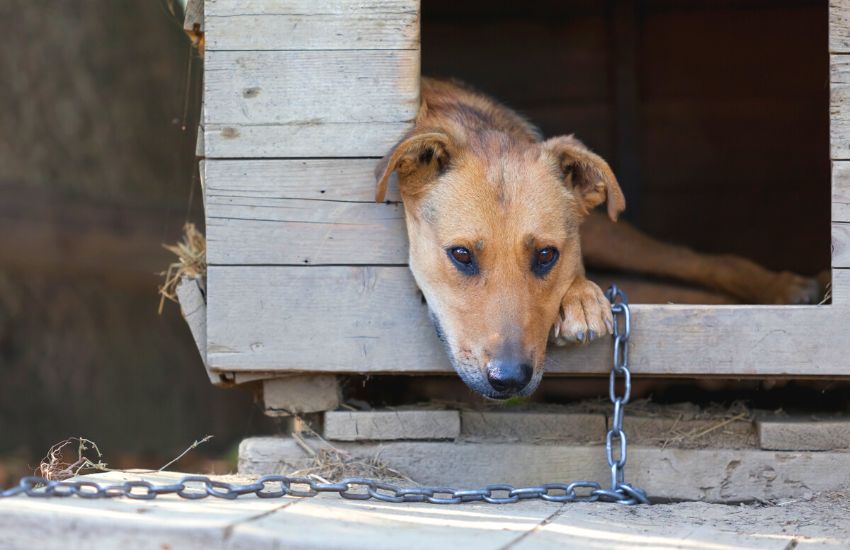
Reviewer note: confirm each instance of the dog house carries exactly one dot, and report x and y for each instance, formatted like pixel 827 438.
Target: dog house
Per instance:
pixel 307 282
pixel 307 275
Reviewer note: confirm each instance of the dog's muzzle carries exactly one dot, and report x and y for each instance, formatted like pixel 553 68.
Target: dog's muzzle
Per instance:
pixel 508 377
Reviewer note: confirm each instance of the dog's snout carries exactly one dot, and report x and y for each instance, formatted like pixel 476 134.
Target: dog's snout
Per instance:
pixel 508 377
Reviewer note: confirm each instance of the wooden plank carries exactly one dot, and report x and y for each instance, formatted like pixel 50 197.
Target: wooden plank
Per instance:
pixel 245 231
pixel 355 139
pixel 77 524
pixel 841 191
pixel 308 103
pixel 532 426
pixel 311 25
pixel 840 287
pixel 370 319
pixel 323 209
pixel 328 522
pixel 290 395
pixel 627 530
pixel 841 244
pixel 310 88
pixel 391 425
pixel 803 434
pixel 193 306
pixel 839 106
pixel 230 8
pixel 712 475
pixel 685 431
pixel 839 26
pixel 349 180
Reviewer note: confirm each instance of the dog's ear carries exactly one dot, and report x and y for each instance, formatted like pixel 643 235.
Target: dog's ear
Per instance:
pixel 416 159
pixel 587 174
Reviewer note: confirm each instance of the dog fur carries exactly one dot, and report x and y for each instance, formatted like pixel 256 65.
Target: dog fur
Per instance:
pixel 479 183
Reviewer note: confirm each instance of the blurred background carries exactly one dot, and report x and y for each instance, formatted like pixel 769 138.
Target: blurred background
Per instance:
pixel 96 173
pixel 713 113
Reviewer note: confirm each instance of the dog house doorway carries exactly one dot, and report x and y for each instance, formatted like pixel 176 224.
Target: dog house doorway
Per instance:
pixel 714 115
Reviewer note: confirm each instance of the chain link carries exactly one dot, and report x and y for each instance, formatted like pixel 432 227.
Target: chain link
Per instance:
pixel 358 488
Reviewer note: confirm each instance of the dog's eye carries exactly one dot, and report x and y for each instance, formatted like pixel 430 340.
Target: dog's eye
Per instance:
pixel 462 255
pixel 544 259
pixel 463 260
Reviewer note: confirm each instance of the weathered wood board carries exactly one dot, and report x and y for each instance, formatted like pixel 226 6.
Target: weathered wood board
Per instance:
pixel 370 319
pixel 193 306
pixel 804 434
pixel 312 25
pixel 391 425
pixel 328 522
pixel 839 107
pixel 309 79
pixel 296 394
pixel 296 231
pixel 712 475
pixel 841 287
pixel 841 245
pixel 306 88
pixel 532 426
pixel 840 191
pixel 287 211
pixel 839 26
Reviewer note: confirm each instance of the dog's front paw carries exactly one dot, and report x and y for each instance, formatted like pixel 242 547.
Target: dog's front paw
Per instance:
pixel 585 315
pixel 790 288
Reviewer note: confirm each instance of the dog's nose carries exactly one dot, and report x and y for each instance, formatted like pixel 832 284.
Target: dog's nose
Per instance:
pixel 508 376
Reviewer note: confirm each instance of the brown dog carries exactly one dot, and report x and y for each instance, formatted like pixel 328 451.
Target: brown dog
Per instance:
pixel 493 216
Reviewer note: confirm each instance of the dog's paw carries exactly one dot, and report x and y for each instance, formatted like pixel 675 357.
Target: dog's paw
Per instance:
pixel 585 315
pixel 790 288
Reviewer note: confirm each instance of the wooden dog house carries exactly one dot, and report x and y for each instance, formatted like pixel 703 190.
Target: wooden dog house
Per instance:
pixel 307 275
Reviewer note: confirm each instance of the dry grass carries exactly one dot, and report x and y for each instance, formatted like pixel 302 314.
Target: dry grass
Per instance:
pixel 331 464
pixel 191 263
pixel 55 467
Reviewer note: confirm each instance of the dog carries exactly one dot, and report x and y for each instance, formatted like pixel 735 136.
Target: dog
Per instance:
pixel 500 222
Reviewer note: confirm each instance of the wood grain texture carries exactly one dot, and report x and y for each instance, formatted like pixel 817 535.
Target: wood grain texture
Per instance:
pixel 348 180
pixel 841 287
pixel 311 25
pixel 804 434
pixel 713 475
pixel 288 232
pixel 308 103
pixel 318 211
pixel 841 191
pixel 839 26
pixel 310 87
pixel 370 320
pixel 391 425
pixel 839 106
pixel 193 306
pixel 290 395
pixel 841 244
pixel 354 139
pixel 532 426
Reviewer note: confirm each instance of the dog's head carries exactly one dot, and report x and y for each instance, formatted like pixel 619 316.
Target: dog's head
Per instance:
pixel 494 245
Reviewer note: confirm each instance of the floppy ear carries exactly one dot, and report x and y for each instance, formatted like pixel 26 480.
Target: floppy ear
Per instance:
pixel 587 174
pixel 417 159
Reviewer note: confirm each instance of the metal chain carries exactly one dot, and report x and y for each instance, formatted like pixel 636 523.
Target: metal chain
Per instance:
pixel 358 488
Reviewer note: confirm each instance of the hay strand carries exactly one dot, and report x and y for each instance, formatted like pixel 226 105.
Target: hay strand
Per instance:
pixel 191 263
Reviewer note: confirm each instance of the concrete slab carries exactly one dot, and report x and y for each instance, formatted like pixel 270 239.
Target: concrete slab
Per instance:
pixel 328 522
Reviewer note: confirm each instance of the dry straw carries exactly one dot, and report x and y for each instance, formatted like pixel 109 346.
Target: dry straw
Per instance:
pixel 191 263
